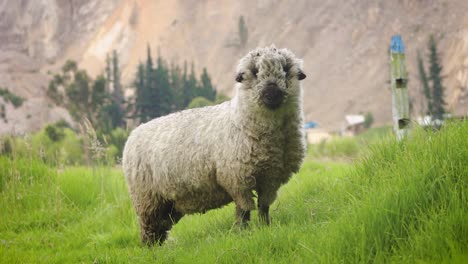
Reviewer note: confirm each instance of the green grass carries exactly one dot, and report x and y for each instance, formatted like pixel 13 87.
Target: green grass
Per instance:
pixel 402 202
pixel 348 148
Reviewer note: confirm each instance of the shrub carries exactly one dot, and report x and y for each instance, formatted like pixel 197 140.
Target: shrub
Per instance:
pixel 16 100
pixel 54 133
pixel 368 120
pixel 199 102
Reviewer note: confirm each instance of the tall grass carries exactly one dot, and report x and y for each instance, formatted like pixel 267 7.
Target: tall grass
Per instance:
pixel 348 148
pixel 402 202
pixel 408 202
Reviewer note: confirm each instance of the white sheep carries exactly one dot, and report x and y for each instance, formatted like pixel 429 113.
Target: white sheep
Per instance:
pixel 200 159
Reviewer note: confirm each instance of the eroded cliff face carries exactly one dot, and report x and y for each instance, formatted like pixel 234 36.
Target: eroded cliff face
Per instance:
pixel 344 44
pixel 34 36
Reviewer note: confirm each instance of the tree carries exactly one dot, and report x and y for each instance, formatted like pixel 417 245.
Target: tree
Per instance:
pixel 117 103
pixel 207 90
pixel 139 109
pixel 425 84
pixel 54 133
pixel 243 32
pixel 108 73
pixel 82 96
pixel 98 94
pixel 190 87
pixel 164 89
pixel 177 84
pixel 160 89
pixel 152 96
pixel 368 120
pixel 117 92
pixel 435 76
pixel 77 91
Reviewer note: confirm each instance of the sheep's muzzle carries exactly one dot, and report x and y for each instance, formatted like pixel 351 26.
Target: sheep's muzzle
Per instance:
pixel 272 96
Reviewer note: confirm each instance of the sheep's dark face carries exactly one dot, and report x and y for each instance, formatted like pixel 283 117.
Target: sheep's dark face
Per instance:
pixel 270 77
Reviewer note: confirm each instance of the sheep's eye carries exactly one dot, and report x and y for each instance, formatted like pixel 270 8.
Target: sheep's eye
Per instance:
pixel 301 75
pixel 255 72
pixel 286 68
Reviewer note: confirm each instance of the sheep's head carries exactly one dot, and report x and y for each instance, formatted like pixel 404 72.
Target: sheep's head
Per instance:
pixel 269 77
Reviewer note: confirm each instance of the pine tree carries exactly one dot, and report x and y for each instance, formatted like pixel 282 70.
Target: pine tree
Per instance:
pixel 435 76
pixel 117 94
pixel 425 84
pixel 160 90
pixel 243 32
pixel 108 73
pixel 139 108
pixel 177 85
pixel 207 89
pixel 164 88
pixel 152 96
pixel 190 87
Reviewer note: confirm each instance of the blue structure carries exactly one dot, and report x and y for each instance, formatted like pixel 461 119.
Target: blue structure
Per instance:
pixel 310 124
pixel 396 44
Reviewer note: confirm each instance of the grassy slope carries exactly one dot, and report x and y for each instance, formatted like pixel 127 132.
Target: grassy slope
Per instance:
pixel 404 202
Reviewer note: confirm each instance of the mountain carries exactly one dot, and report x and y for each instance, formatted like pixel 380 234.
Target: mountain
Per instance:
pixel 344 46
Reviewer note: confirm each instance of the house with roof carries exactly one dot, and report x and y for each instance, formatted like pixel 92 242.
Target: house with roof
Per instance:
pixel 354 125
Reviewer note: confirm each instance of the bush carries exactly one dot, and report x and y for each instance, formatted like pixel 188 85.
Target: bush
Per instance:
pixel 6 147
pixel 199 102
pixel 54 133
pixel 220 98
pixel 16 100
pixel 368 120
pixel 116 142
pixel 67 150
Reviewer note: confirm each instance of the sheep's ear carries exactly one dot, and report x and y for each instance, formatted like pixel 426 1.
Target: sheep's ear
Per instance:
pixel 239 77
pixel 301 75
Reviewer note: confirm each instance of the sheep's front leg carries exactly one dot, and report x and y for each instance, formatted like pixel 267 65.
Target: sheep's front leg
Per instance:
pixel 240 190
pixel 244 204
pixel 266 196
pixel 242 216
pixel 263 214
pixel 155 223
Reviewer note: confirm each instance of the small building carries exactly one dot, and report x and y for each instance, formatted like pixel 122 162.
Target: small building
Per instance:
pixel 354 125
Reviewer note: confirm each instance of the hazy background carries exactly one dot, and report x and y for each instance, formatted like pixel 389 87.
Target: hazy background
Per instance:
pixel 344 46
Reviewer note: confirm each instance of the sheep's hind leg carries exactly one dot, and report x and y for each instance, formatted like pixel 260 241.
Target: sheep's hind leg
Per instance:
pixel 244 204
pixel 156 224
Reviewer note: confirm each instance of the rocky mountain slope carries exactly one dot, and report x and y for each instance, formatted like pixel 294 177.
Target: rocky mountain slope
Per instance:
pixel 344 46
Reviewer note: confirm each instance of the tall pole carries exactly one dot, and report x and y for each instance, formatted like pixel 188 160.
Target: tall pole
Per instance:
pixel 399 82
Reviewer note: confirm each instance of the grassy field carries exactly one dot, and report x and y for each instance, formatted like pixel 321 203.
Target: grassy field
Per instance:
pixel 400 202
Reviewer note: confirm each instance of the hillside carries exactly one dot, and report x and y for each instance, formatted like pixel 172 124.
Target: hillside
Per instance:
pixel 344 45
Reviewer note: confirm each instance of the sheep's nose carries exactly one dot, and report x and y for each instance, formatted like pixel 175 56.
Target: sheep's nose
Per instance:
pixel 272 96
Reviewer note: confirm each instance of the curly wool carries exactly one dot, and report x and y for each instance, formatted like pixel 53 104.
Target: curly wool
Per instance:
pixel 204 158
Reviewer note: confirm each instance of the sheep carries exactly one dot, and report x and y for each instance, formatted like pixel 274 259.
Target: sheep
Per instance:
pixel 201 159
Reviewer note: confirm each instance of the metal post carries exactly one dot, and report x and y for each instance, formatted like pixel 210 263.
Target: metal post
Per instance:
pixel 399 81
